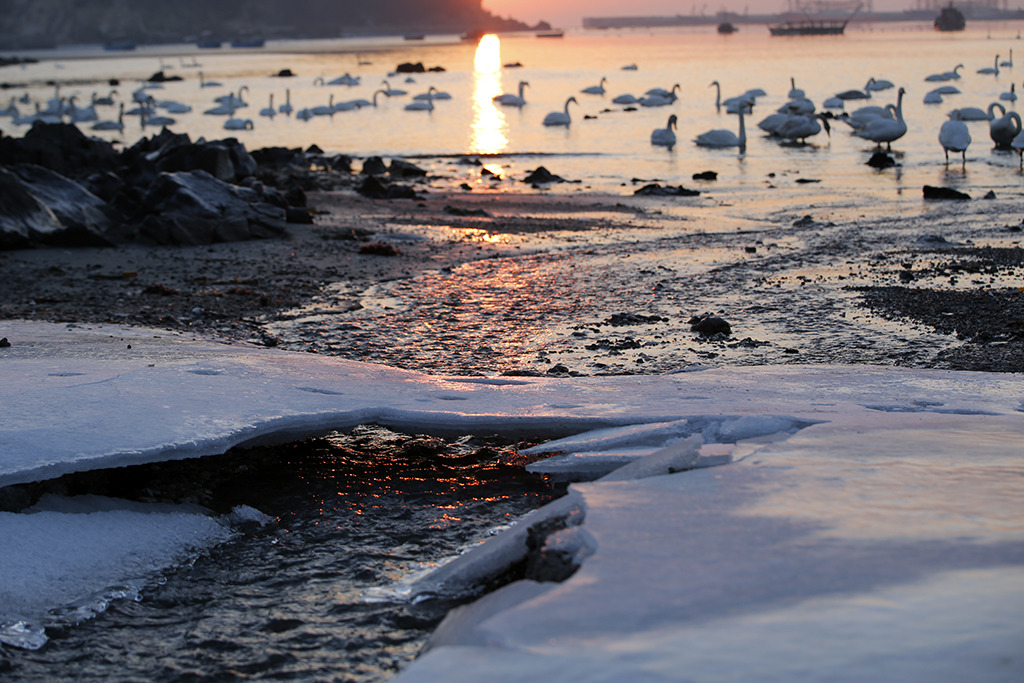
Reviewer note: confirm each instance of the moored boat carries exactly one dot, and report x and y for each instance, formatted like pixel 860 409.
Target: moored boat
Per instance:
pixel 950 19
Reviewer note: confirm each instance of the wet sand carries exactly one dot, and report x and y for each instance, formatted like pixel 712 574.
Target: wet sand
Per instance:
pixel 484 283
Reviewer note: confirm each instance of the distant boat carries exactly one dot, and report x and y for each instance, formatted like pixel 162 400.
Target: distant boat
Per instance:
pixel 725 28
pixel 208 43
pixel 950 19
pixel 810 27
pixel 122 45
pixel 249 42
pixel 414 36
pixel 555 33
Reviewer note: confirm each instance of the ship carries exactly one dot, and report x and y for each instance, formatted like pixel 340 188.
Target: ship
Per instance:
pixel 810 27
pixel 950 19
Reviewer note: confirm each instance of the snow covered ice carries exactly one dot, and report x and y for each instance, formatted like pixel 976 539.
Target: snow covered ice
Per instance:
pixel 780 523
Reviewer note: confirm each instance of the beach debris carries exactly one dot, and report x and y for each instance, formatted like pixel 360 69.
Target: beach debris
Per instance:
pixel 931 192
pixel 379 249
pixel 656 190
pixel 706 175
pixel 284 73
pixel 458 211
pixel 542 176
pixel 623 319
pixel 881 160
pixel 710 325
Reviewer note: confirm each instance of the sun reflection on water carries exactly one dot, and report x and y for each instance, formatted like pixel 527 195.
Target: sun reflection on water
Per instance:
pixel 489 131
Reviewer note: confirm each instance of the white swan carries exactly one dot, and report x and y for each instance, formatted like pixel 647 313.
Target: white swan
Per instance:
pixel 392 92
pixel 886 130
pixel 11 110
pixel 346 79
pixel 1009 96
pixel 560 118
pixel 993 70
pixel 733 104
pixel 720 137
pixel 433 94
pixel 203 83
pixel 1008 62
pixel 1018 144
pixel 932 97
pixel 510 100
pixel 423 105
pixel 596 89
pixel 286 108
pixel 795 93
pixel 954 136
pixel 107 101
pixel 667 94
pixel 953 75
pixel 269 110
pixel 238 124
pixel 625 98
pixel 83 114
pixel 800 105
pixel 799 127
pixel 875 85
pixel 1004 129
pixel 111 125
pixel 978 114
pixel 324 109
pixel 172 107
pixel 665 137
pixel 149 119
pixel 236 101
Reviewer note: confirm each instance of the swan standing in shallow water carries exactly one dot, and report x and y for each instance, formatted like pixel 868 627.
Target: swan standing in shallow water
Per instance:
pixel 269 110
pixel 510 100
pixel 665 137
pixel 886 130
pixel 954 136
pixel 1004 129
pixel 560 118
pixel 993 70
pixel 720 137
pixel 286 108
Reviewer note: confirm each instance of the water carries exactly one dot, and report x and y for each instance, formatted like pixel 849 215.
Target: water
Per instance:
pixel 605 152
pixel 356 513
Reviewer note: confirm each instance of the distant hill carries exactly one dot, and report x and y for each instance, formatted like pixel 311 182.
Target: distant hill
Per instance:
pixel 48 23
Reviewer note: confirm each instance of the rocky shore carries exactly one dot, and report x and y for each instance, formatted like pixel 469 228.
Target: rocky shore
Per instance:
pixel 212 238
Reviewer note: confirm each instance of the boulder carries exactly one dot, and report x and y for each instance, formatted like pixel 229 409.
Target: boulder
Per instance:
pixel 225 160
pixel 403 169
pixel 85 219
pixel 195 208
pixel 23 218
pixel 60 147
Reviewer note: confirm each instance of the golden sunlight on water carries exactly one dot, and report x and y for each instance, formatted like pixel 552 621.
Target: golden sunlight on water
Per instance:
pixel 489 131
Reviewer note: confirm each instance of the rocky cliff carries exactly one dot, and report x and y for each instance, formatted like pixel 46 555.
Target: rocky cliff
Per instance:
pixel 47 23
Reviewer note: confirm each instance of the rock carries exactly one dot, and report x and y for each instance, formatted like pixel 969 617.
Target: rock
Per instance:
pixel 84 217
pixel 26 220
pixel 161 77
pixel 379 249
pixel 374 166
pixel 943 193
pixel 60 147
pixel 705 175
pixel 284 73
pixel 656 190
pixel 457 211
pixel 403 169
pixel 708 325
pixel 225 160
pixel 196 208
pixel 542 176
pixel 4 344
pixel 410 68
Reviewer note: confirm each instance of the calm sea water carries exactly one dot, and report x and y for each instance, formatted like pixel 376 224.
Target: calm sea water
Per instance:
pixel 611 146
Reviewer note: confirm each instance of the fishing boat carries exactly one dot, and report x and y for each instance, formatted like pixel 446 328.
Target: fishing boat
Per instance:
pixel 725 28
pixel 554 33
pixel 950 19
pixel 815 26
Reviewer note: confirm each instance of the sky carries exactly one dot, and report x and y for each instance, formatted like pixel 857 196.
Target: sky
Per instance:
pixel 570 13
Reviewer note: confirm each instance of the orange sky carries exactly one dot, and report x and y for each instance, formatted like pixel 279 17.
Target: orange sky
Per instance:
pixel 570 13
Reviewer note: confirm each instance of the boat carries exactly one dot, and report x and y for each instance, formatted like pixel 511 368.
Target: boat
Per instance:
pixel 810 27
pixel 725 28
pixel 554 33
pixel 950 19
pixel 248 42
pixel 414 36
pixel 119 46
pixel 208 44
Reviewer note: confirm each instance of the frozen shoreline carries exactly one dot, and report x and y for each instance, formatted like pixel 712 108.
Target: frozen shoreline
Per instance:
pixel 879 484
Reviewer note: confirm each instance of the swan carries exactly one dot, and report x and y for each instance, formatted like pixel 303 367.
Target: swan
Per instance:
pixel 833 103
pixel 799 127
pixel 238 124
pixel 732 104
pixel 433 94
pixel 861 117
pixel 665 137
pixel 10 110
pixel 886 130
pixel 977 114
pixel 798 106
pixel 150 119
pixel 771 123
pixel 83 114
pixel 932 97
pixel 954 136
pixel 236 101
pixel 304 114
pixel 107 101
pixel 724 138
pixel 993 70
pixel 596 89
pixel 224 109
pixel 203 83
pixel 560 118
pixel 854 95
pixel 874 85
pixel 286 108
pixel 953 75
pixel 1009 96
pixel 392 92
pixel 324 109
pixel 423 105
pixel 948 90
pixel 111 125
pixel 1008 63
pixel 269 110
pixel 625 98
pixel 172 107
pixel 510 100
pixel 1018 144
pixel 346 79
pixel 1004 129
pixel 669 95
pixel 795 93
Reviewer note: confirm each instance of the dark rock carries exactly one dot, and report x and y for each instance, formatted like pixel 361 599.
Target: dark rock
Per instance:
pixel 374 166
pixel 195 208
pixel 26 220
pixel 708 325
pixel 60 147
pixel 379 249
pixel 4 344
pixel 284 73
pixel 403 169
pixel 225 160
pixel 161 77
pixel 373 188
pixel 542 176
pixel 84 217
pixel 457 211
pixel 295 196
pixel 410 68
pixel 624 319
pixel 804 222
pixel 990 195
pixel 943 193
pixel 298 215
pixel 437 69
pixel 881 160
pixel 808 180
pixel 656 190
pixel 276 156
pixel 558 369
pixel 705 175
pixel 314 149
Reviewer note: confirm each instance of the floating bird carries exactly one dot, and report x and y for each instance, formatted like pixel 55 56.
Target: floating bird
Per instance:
pixel 392 92
pixel 11 110
pixel 977 114
pixel 596 89
pixel 422 105
pixel 117 124
pixel 269 110
pixel 433 94
pixel 1009 96
pixel 874 85
pixel 886 130
pixel 238 124
pixel 107 101
pixel 953 75
pixel 854 95
pixel 932 97
pixel 324 109
pixel 833 103
pixel 510 100
pixel 659 97
pixel 991 70
pixel 625 98
pixel 954 136
pixel 1008 63
pixel 665 137
pixel 203 83
pixel 560 118
pixel 794 92
pixel 1004 129
pixel 172 107
pixel 720 137
pixel 286 108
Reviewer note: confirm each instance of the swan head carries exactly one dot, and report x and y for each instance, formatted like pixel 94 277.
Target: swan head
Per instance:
pixel 672 122
pixel 571 99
